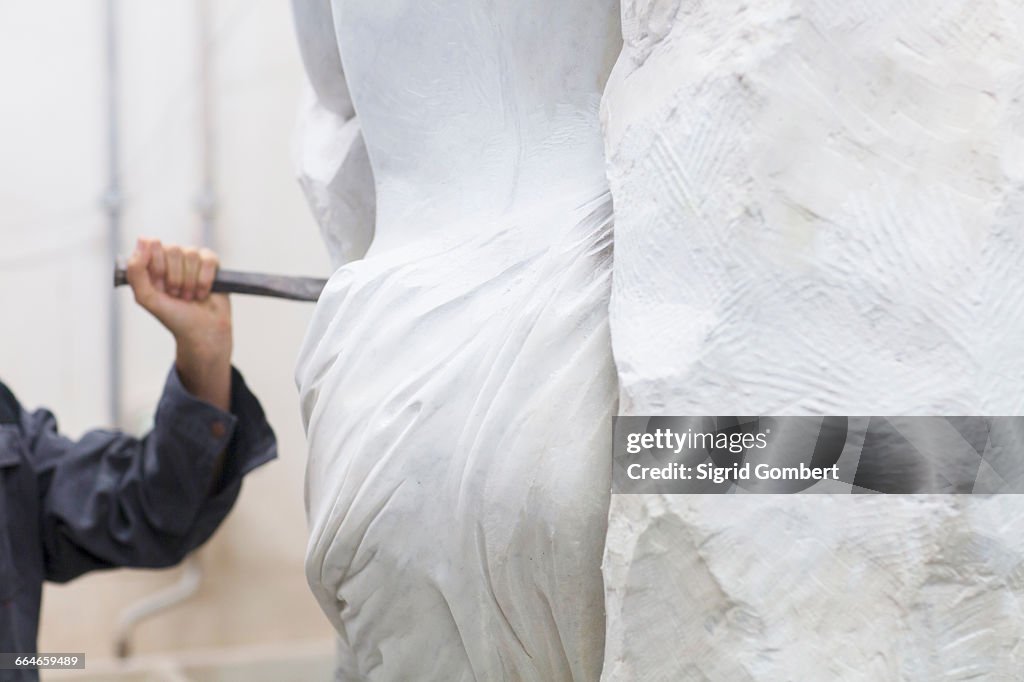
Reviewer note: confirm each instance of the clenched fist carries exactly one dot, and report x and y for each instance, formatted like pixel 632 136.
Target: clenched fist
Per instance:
pixel 173 283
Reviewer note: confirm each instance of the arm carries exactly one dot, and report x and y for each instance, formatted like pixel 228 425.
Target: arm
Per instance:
pixel 113 500
pixel 174 285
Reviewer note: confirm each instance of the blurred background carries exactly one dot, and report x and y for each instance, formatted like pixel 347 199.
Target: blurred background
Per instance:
pixel 205 95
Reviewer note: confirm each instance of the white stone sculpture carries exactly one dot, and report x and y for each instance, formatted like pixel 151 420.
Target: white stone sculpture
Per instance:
pixel 457 381
pixel 819 209
pixel 330 155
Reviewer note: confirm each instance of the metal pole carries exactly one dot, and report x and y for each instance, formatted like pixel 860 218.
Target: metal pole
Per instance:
pixel 206 203
pixel 113 201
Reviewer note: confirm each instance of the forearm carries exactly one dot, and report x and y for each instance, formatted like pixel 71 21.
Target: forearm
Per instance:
pixel 205 374
pixel 174 284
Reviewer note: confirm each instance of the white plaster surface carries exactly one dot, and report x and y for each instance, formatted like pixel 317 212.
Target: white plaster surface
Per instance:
pixel 328 149
pixel 815 587
pixel 457 529
pixel 818 211
pixel 818 207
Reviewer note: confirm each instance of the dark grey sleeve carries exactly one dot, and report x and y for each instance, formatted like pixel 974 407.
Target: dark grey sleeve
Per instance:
pixel 112 500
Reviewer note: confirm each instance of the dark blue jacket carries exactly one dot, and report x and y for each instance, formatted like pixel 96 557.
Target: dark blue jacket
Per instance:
pixel 110 500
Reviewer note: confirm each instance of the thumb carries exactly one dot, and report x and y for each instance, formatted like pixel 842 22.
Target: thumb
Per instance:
pixel 137 273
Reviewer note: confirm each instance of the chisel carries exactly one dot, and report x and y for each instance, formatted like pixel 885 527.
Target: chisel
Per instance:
pixel 254 283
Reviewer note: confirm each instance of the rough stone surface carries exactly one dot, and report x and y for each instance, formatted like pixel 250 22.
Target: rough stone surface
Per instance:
pixel 817 587
pixel 818 211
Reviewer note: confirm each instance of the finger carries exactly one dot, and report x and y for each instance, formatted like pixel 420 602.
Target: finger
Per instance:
pixel 138 276
pixel 175 271
pixel 208 264
pixel 158 265
pixel 190 272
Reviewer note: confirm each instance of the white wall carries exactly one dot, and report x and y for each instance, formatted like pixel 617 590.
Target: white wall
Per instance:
pixel 55 274
pixel 51 178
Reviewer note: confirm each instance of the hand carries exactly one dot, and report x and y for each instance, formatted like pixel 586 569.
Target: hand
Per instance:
pixel 173 283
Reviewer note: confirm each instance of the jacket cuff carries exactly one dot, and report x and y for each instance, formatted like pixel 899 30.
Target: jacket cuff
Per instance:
pixel 244 435
pixel 254 442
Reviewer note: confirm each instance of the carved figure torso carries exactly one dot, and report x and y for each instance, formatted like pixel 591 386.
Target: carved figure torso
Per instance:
pixel 448 513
